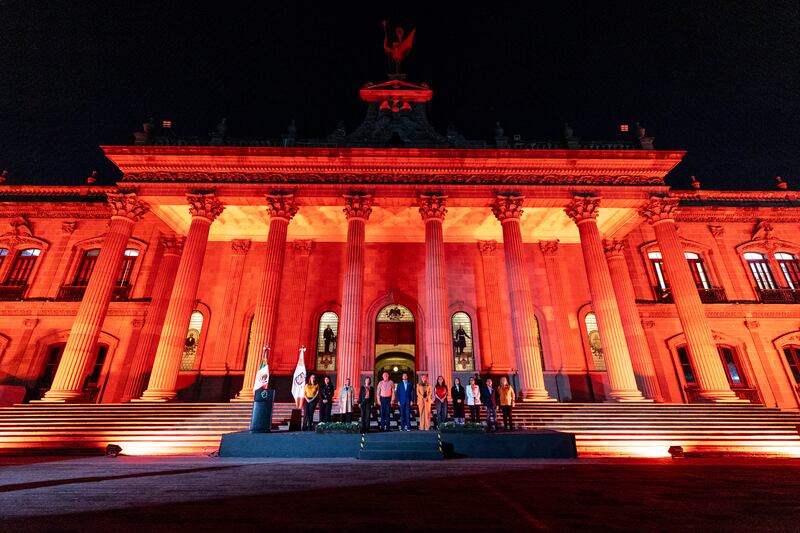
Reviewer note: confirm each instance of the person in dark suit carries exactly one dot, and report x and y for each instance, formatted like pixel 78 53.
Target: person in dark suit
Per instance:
pixel 489 400
pixel 405 397
pixel 459 395
pixel 366 397
pixel 326 396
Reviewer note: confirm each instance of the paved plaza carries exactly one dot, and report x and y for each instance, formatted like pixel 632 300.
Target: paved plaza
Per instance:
pixel 147 494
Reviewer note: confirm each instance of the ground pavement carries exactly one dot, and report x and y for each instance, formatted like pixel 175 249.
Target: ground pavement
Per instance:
pixel 220 494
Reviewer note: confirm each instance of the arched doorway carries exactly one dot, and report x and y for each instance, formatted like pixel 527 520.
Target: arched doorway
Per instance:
pixel 395 342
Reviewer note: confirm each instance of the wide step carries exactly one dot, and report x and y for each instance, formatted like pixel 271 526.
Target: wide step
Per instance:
pixel 401 446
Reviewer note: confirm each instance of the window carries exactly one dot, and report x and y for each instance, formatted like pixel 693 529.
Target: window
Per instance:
pixel 698 270
pixel 686 366
pixel 658 269
pixel 3 254
pixel 731 363
pixel 463 350
pixel 192 340
pixel 54 354
pixel 93 379
pixel 759 266
pixel 86 267
pixel 792 354
pixel 595 346
pixel 22 267
pixel 327 341
pixel 126 270
pixel 790 269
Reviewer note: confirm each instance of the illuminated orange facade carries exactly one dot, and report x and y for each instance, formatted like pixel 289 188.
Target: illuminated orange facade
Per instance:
pixel 569 266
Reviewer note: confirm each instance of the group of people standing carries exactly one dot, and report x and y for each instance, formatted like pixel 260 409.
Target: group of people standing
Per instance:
pixel 477 395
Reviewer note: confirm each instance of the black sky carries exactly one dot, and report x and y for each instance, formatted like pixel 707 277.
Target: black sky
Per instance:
pixel 720 80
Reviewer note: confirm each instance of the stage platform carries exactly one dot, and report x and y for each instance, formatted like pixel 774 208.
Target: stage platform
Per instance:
pixel 542 444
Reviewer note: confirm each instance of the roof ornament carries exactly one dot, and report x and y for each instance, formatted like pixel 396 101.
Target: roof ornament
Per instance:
pixel 779 183
pixel 398 49
pixel 695 183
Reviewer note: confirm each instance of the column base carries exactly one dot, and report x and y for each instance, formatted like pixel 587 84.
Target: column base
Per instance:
pixel 61 396
pixel 628 396
pixel 243 398
pixel 721 396
pixel 534 395
pixel 157 396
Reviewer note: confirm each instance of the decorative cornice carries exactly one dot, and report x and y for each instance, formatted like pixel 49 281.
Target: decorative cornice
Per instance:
pixel 173 245
pixel 240 246
pixel 127 205
pixel 205 205
pixel 357 206
pixel 281 206
pixel 432 206
pixel 508 207
pixel 20 192
pixel 613 248
pixel 583 208
pixel 487 248
pixel 549 248
pixel 659 208
pixel 440 177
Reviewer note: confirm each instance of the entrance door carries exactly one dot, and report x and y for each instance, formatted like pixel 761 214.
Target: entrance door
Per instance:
pixel 395 343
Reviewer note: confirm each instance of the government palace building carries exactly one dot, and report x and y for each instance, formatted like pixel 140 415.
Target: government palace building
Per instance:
pixel 567 265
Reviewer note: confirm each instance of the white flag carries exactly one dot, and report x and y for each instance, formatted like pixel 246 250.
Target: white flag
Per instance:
pixel 299 379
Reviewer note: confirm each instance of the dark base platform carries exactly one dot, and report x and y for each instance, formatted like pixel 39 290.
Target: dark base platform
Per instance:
pixel 516 445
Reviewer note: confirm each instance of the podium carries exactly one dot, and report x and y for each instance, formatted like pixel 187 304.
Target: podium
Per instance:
pixel 261 421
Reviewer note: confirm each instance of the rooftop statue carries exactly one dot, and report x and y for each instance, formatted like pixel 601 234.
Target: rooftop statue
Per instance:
pixel 399 49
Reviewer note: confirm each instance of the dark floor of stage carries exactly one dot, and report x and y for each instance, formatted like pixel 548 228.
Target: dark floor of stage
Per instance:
pixel 215 494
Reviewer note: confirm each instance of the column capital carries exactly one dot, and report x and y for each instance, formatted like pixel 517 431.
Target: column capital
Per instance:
pixel 240 246
pixel 205 205
pixel 613 247
pixel 357 206
pixel 281 206
pixel 583 208
pixel 487 247
pixel 127 205
pixel 716 231
pixel 659 208
pixel 508 207
pixel 302 246
pixel 432 206
pixel 549 248
pixel 173 245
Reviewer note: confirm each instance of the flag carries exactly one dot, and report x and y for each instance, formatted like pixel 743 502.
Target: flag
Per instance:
pixel 262 376
pixel 299 379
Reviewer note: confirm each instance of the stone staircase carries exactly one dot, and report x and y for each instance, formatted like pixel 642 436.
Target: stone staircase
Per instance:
pixel 406 446
pixel 644 430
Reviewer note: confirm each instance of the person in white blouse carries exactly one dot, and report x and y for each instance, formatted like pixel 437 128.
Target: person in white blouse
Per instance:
pixel 474 400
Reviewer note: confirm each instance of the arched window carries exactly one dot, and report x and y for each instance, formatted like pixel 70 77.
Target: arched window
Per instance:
pixel 658 270
pixel 792 354
pixel 192 341
pixel 789 268
pixel 595 346
pixel 759 267
pixel 86 267
pixel 327 341
pixel 126 270
pixel 698 270
pixel 730 362
pixel 463 350
pixel 3 255
pixel 22 267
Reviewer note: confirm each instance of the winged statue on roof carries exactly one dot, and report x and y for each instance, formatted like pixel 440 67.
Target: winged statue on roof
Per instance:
pixel 400 48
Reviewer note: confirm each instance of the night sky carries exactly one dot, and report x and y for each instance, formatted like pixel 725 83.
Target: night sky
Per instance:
pixel 720 80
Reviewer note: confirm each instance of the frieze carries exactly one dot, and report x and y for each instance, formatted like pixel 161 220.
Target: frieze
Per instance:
pixel 739 311
pixel 54 211
pixel 394 178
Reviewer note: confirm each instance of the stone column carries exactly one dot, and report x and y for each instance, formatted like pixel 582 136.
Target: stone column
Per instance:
pixel 631 321
pixel 583 210
pixel 126 209
pixel 154 322
pixel 702 349
pixel 218 362
pixel 357 210
pixel 205 208
pixel 437 321
pixel 508 210
pixel 281 208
